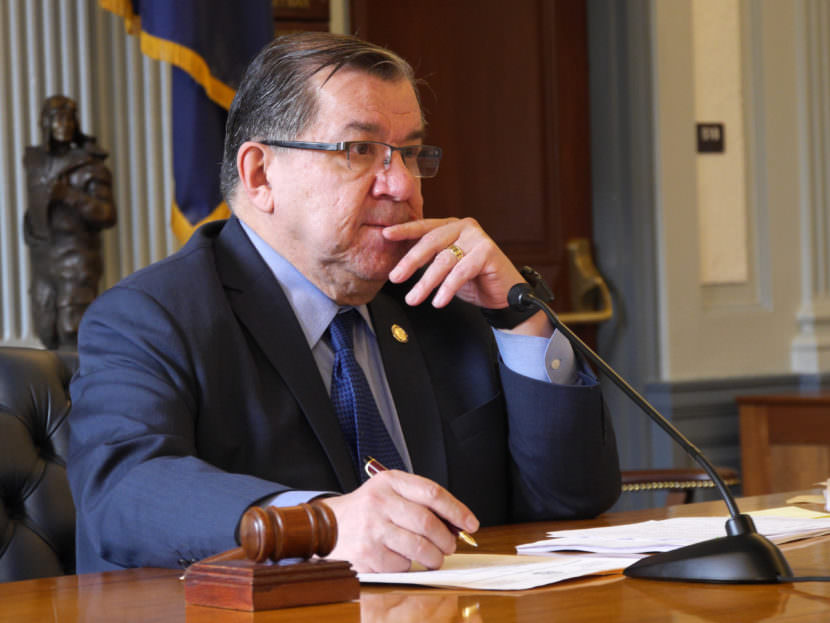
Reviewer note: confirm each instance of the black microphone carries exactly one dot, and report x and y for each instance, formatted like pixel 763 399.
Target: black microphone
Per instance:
pixel 741 557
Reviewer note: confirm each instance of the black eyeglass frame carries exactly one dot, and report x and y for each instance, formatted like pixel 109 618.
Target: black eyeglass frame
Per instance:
pixel 345 147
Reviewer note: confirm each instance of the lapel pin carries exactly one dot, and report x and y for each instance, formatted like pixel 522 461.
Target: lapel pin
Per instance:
pixel 399 333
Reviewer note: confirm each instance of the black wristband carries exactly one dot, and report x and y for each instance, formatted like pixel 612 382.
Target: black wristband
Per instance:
pixel 509 318
pixel 506 318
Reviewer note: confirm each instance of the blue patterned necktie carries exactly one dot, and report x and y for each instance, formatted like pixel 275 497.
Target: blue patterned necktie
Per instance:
pixel 353 402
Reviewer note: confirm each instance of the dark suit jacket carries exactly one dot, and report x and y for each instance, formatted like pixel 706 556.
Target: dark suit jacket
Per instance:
pixel 197 395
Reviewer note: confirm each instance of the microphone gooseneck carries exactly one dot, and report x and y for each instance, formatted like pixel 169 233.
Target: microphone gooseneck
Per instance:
pixel 743 556
pixel 522 296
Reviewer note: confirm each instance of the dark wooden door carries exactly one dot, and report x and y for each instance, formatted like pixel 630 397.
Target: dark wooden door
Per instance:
pixel 507 99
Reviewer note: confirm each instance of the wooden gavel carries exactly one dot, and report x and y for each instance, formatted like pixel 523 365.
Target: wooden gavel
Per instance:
pixel 284 532
pixel 243 578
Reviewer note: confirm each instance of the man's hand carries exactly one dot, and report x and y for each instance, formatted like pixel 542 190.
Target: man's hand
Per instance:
pixel 390 521
pixel 482 276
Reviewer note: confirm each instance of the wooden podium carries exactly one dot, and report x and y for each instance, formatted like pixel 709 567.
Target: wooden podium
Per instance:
pixel 274 567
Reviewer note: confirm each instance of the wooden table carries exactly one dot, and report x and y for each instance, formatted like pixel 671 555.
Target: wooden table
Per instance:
pixel 785 441
pixel 157 594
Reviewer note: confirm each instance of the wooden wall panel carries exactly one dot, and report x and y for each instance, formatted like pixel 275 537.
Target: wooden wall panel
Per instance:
pixel 507 99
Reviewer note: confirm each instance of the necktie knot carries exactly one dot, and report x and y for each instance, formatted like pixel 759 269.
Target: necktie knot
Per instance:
pixel 342 330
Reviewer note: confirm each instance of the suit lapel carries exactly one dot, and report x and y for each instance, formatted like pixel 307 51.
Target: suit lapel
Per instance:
pixel 412 389
pixel 260 304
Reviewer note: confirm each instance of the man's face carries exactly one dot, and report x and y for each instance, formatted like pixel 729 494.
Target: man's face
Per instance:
pixel 328 219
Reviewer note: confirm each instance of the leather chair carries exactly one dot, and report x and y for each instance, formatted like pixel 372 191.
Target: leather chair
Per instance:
pixel 37 514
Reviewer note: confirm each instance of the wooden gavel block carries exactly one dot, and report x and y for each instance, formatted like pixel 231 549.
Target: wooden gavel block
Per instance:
pixel 274 567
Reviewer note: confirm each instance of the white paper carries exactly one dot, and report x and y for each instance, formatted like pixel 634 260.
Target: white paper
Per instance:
pixel 778 525
pixel 504 572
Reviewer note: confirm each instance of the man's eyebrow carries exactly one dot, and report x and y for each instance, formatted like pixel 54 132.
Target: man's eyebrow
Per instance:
pixel 415 135
pixel 369 128
pixel 373 128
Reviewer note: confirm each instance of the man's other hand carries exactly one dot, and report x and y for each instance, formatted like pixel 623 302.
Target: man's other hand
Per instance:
pixel 391 521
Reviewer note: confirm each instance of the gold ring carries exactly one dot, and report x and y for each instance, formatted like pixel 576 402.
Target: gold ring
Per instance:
pixel 456 251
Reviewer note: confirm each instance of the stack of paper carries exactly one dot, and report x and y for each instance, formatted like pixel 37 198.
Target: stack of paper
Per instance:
pixel 504 573
pixel 668 534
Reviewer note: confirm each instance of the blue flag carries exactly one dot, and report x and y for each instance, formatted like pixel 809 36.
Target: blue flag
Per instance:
pixel 209 43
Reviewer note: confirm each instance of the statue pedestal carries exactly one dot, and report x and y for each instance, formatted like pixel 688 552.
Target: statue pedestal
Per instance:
pixel 252 586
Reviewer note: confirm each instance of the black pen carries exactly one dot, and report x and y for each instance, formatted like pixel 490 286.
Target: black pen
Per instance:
pixel 373 466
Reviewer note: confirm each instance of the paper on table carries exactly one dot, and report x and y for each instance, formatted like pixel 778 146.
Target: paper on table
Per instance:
pixel 668 534
pixel 504 572
pixel 795 512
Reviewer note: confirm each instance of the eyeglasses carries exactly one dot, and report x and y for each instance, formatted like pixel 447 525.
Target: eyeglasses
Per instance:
pixel 361 156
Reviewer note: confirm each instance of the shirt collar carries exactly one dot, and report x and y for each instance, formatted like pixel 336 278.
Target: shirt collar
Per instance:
pixel 312 308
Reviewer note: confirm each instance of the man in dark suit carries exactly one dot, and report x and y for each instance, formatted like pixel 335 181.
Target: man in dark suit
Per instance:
pixel 205 379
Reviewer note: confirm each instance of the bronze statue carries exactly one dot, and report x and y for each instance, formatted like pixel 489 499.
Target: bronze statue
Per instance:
pixel 70 202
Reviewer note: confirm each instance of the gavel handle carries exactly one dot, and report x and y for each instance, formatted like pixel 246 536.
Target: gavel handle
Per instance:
pixel 237 553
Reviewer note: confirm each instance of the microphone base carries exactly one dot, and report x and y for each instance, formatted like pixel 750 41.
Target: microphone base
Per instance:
pixel 739 559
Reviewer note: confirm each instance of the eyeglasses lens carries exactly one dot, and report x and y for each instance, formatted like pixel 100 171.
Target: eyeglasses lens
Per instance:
pixel 420 160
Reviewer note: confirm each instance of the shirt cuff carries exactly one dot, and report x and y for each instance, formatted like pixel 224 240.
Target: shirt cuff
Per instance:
pixel 544 359
pixel 293 498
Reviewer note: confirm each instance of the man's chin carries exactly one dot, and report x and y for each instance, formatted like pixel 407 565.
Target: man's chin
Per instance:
pixel 376 276
pixel 377 264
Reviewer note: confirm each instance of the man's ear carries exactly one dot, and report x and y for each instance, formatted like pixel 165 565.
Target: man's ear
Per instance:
pixel 252 162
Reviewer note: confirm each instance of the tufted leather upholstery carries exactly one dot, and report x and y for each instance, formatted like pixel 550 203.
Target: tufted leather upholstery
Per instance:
pixel 37 515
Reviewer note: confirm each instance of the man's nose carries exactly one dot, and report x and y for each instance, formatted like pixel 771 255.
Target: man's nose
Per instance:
pixel 395 179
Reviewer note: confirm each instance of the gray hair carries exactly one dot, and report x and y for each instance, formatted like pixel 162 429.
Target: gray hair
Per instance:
pixel 275 99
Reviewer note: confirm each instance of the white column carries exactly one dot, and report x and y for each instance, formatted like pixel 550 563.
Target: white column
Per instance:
pixel 811 346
